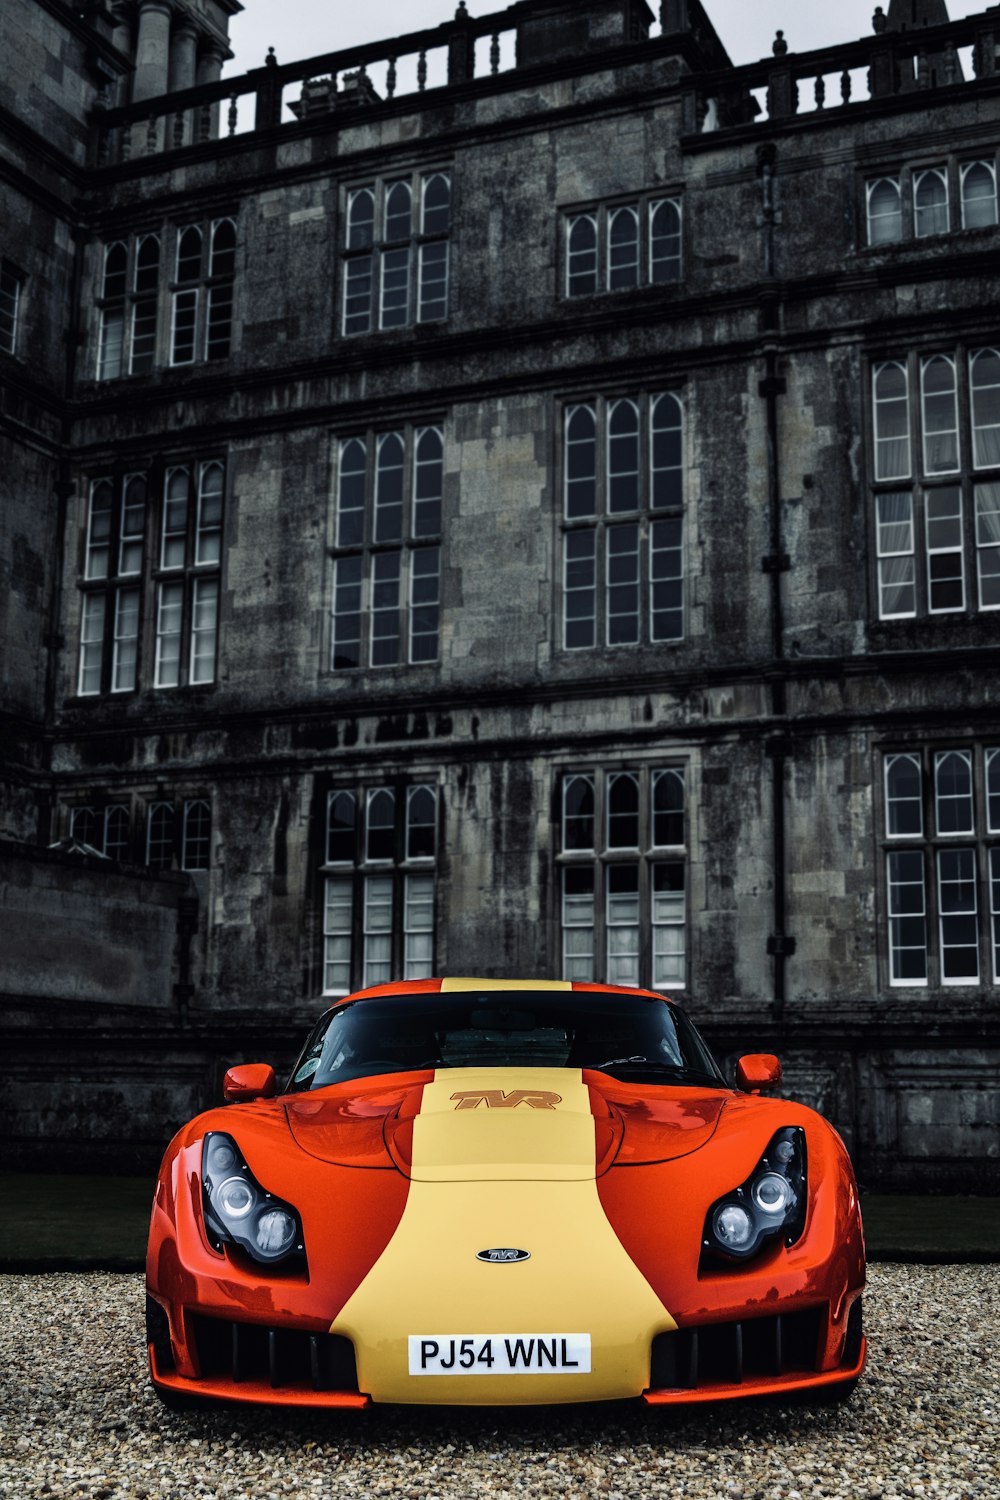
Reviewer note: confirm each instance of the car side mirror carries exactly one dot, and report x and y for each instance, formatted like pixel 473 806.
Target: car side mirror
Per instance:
pixel 249 1081
pixel 759 1070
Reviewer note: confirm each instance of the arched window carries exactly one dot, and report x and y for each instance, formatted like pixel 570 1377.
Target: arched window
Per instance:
pixel 189 254
pixel 979 195
pixel 903 797
pixel 437 204
pixel 667 452
pixel 222 270
pixel 665 260
pixel 359 266
pixel 351 493
pixel 341 816
pixel 623 249
pixel 142 343
pixel 112 335
pixel 115 271
pixel 930 202
pixel 223 261
pixel 398 211
pixel 102 498
pixel 953 792
pixel 380 826
pixel 421 822
pixel 581 462
pixel 160 836
pixel 428 482
pixel 885 211
pixel 985 378
pixel 668 809
pixel 208 543
pixel 940 395
pixel 361 219
pixel 623 812
pixel 395 278
pixel 117 833
pixel 892 422
pixel 581 256
pixel 389 472
pixel 578 814
pixel 147 264
pixel 623 457
pixel 133 525
pixel 175 517
pixel 196 848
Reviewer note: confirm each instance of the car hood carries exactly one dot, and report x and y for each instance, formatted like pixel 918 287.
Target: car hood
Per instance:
pixel 503 1124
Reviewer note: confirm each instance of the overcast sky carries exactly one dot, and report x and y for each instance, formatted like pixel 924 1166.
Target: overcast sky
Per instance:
pixel 299 29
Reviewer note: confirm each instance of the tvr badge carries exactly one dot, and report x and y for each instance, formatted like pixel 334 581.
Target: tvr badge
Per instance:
pixel 503 1257
pixel 501 1099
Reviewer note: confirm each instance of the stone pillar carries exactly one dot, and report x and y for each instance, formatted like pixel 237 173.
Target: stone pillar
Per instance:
pixel 210 61
pixel 152 53
pixel 183 56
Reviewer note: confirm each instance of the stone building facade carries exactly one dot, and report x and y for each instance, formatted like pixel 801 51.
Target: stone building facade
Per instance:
pixel 521 498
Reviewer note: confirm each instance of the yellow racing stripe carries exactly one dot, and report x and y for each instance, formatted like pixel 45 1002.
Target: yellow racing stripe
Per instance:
pixel 504 1174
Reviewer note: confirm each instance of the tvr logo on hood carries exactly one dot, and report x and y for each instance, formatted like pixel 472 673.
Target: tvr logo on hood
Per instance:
pixel 503 1257
pixel 498 1099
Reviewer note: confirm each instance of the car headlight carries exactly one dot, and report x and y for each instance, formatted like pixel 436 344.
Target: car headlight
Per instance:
pixel 770 1204
pixel 237 1209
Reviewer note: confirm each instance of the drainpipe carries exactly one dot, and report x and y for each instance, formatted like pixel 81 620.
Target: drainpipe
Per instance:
pixel 780 944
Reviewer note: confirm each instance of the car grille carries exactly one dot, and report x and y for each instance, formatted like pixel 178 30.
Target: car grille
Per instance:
pixel 729 1353
pixel 286 1358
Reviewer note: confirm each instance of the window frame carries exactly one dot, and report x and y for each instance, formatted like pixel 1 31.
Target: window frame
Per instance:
pixel 602 216
pixel 907 178
pixel 358 553
pixel 604 478
pixel 121 560
pixel 976 839
pixel 647 857
pixel 953 496
pixel 396 876
pixel 411 252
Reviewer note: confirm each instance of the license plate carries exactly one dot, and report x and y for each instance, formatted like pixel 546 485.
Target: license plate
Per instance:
pixel 499 1354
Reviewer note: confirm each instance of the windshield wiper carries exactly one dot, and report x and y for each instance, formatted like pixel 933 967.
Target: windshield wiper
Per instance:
pixel 653 1065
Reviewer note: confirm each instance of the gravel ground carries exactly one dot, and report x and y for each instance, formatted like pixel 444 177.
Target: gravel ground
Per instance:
pixel 77 1418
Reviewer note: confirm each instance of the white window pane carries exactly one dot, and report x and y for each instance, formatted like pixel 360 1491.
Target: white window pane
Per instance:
pixel 892 422
pixel 985 378
pixel 885 211
pixel 378 930
pixel 958 920
pixel 109 365
pixel 204 629
pixel 907 919
pixel 578 922
pixel 669 935
pixel 91 644
pixel 337 915
pixel 418 954
pixel 953 792
pixel 126 645
pixel 940 396
pixel 169 613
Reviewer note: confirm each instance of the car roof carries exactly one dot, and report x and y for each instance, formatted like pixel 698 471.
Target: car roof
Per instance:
pixel 404 987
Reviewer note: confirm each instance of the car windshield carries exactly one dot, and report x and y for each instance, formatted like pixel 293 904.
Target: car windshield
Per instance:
pixel 633 1037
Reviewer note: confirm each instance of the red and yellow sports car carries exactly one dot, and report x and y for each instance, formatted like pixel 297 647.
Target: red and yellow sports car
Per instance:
pixel 484 1192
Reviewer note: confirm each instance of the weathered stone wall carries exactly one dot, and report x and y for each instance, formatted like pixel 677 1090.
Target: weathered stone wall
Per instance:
pixel 780 699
